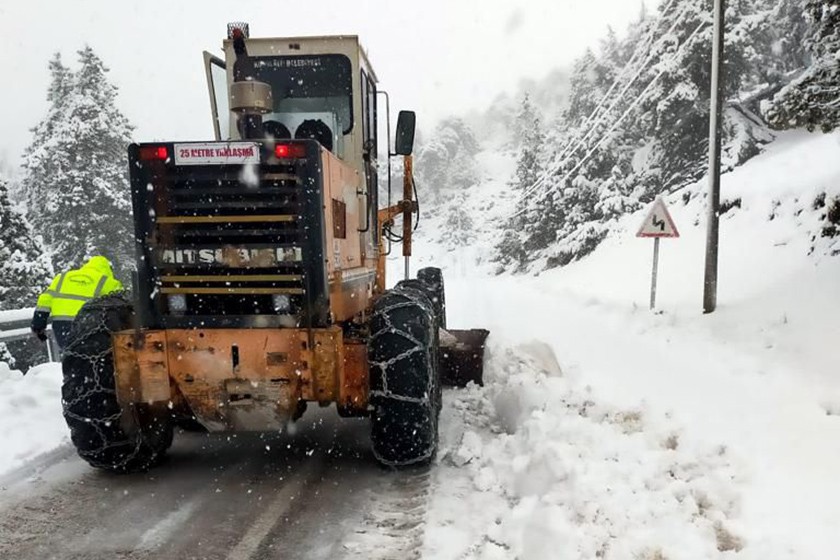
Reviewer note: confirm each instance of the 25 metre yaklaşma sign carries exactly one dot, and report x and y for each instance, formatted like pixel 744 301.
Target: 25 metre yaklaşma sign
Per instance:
pixel 217 153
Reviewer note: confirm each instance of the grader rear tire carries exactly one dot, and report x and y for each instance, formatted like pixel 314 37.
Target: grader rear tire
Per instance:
pixel 89 397
pixel 404 377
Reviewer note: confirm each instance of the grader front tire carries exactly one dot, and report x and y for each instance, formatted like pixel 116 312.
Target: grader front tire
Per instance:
pixel 404 377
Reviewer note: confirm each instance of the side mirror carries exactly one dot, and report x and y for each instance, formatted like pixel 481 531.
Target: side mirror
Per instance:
pixel 404 144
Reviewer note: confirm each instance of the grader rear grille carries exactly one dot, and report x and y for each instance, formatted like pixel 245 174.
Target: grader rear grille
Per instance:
pixel 228 243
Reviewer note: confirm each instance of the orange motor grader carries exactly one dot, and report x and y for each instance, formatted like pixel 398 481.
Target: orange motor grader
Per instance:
pixel 260 283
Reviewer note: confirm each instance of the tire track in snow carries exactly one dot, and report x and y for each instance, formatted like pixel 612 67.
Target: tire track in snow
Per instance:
pixel 280 507
pixel 161 532
pixel 395 523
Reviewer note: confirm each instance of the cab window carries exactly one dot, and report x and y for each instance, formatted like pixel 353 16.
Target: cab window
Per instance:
pixel 309 87
pixel 369 113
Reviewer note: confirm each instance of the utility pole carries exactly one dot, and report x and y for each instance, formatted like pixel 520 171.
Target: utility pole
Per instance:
pixel 715 118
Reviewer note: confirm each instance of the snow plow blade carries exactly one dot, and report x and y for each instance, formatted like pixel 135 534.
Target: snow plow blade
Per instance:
pixel 462 357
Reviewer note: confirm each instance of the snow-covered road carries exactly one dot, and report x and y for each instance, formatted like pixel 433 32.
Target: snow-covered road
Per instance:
pixel 313 494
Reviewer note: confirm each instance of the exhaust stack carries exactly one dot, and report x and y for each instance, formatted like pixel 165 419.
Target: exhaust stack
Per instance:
pixel 249 98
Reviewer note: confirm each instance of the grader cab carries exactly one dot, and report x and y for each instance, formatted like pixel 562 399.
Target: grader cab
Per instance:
pixel 260 282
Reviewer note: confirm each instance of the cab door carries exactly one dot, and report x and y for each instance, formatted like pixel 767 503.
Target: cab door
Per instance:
pixel 217 87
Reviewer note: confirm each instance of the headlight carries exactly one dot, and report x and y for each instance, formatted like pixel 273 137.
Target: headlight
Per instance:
pixel 177 303
pixel 282 303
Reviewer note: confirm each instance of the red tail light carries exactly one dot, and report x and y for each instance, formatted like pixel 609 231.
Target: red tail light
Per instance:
pixel 153 153
pixel 285 151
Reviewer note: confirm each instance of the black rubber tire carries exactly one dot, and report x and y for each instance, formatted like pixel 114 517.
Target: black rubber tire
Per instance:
pixel 433 277
pixel 97 427
pixel 404 378
pixel 423 290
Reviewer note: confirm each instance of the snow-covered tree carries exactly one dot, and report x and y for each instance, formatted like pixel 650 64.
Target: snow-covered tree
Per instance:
pixel 531 147
pixel 530 143
pixel 25 270
pixel 458 228
pixel 586 88
pixel 75 171
pixel 43 162
pixel 446 162
pixel 774 34
pixel 813 100
pixel 655 136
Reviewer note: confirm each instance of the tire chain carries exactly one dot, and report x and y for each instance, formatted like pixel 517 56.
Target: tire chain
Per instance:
pixel 413 297
pixel 385 314
pixel 82 333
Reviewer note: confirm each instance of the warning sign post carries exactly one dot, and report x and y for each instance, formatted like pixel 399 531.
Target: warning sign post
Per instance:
pixel 657 225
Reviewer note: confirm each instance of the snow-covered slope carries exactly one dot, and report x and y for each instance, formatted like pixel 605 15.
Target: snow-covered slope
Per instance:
pixel 609 431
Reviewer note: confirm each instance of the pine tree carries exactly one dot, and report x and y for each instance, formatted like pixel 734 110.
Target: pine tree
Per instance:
pixel 531 145
pixel 446 163
pixel 530 141
pixel 543 217
pixel 75 176
pixel 611 61
pixel 813 100
pixel 44 162
pixel 25 268
pixel 775 33
pixel 459 229
pixel 585 94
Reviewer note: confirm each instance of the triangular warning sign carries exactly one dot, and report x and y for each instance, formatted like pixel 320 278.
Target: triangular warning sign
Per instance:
pixel 658 222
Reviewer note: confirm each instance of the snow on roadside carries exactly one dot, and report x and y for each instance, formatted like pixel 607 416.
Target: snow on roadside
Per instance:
pixel 31 422
pixel 668 435
pixel 536 466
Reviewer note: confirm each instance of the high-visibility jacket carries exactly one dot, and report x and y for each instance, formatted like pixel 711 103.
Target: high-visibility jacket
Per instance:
pixel 69 291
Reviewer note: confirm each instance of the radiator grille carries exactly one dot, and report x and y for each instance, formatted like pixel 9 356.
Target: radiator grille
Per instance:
pixel 229 242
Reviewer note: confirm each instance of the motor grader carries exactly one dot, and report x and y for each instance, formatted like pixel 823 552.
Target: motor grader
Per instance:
pixel 260 283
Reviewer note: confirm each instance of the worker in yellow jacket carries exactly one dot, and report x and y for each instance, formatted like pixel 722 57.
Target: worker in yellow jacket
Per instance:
pixel 68 292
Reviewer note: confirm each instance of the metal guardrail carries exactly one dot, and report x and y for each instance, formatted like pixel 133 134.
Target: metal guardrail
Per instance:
pixel 17 328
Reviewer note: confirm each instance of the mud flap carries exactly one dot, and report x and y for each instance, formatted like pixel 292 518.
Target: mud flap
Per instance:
pixel 462 356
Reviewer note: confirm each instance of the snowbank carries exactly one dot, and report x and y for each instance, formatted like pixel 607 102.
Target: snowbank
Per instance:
pixel 30 414
pixel 552 472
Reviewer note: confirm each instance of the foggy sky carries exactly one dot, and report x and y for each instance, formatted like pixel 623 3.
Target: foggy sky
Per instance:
pixel 434 56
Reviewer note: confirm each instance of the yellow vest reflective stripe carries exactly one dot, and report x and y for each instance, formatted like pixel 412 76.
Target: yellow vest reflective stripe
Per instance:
pixel 60 281
pixel 98 291
pixel 69 296
pixel 45 299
